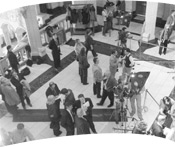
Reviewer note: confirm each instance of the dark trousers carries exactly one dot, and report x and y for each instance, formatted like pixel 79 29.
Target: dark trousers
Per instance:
pixel 93 52
pixel 15 67
pixel 105 28
pixel 97 88
pixel 91 124
pixel 83 75
pixel 21 98
pixel 69 131
pixel 27 100
pixel 109 94
pixel 163 46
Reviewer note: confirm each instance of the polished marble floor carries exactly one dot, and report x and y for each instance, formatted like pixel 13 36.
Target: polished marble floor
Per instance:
pixel 159 84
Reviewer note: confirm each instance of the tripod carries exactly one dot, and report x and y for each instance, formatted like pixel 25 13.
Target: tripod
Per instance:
pixel 122 116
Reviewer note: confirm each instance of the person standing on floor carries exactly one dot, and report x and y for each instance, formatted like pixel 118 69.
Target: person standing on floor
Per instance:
pixel 89 43
pixel 97 77
pixel 128 64
pixel 52 89
pixel 105 16
pixel 81 123
pixel 21 134
pixel 53 108
pixel 164 40
pixel 113 63
pixel 136 97
pixel 12 59
pixel 109 82
pixel 16 80
pixel 86 105
pixel 68 120
pixel 77 48
pixel 11 98
pixel 54 46
pixel 83 67
pixel 69 96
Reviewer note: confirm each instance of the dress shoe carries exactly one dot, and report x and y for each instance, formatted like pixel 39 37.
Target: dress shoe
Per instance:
pixel 30 105
pixel 59 133
pixel 110 105
pixel 85 83
pixel 99 104
pixel 24 107
pixel 99 96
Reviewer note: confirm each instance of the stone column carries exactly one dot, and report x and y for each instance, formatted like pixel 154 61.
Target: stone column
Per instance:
pixel 34 38
pixel 150 21
pixel 6 34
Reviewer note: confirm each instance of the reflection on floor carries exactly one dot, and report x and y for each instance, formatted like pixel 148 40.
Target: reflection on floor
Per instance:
pixel 159 84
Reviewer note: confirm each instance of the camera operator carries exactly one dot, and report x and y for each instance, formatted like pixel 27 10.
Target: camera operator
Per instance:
pixel 128 64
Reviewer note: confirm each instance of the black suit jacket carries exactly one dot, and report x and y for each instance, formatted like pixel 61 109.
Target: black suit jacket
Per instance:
pixel 12 59
pixel 89 110
pixel 82 126
pixel 49 91
pixel 53 46
pixel 157 130
pixel 66 120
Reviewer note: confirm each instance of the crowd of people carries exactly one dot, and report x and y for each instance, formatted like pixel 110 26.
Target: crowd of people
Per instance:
pixel 77 115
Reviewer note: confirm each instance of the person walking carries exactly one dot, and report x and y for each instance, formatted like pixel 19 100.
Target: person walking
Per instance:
pixel 109 82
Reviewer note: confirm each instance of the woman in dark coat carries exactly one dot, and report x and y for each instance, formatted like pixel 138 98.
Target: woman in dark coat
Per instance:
pixel 83 66
pixel 54 46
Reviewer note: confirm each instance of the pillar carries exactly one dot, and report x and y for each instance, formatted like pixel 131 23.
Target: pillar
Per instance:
pixel 34 38
pixel 6 34
pixel 150 21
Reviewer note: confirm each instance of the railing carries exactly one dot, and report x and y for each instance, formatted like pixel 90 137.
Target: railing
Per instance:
pixel 62 23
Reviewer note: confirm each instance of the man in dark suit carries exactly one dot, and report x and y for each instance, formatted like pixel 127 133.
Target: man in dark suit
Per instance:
pixel 157 127
pixel 69 96
pixel 89 43
pixel 54 46
pixel 52 89
pixel 87 105
pixel 81 123
pixel 67 120
pixel 109 82
pixel 16 81
pixel 12 59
